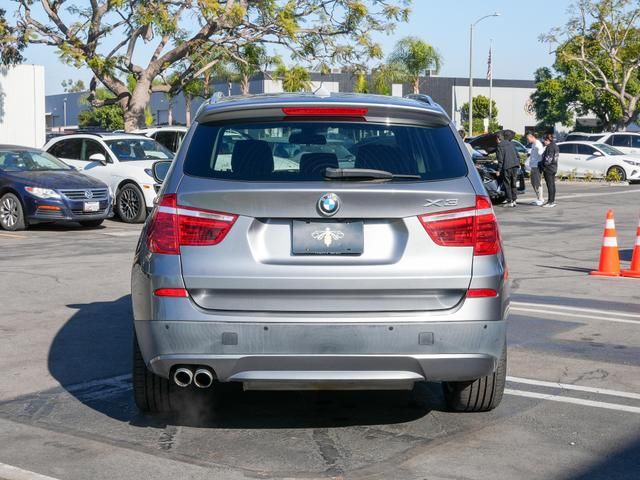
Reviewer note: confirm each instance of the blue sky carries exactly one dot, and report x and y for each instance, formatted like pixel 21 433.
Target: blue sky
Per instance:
pixel 445 24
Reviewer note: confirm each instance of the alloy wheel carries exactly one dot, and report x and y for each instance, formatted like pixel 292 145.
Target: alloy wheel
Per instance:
pixel 129 204
pixel 9 212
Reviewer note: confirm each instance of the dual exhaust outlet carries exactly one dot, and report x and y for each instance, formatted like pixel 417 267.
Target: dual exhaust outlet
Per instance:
pixel 201 377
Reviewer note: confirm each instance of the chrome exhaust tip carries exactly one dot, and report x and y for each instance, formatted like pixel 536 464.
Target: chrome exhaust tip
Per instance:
pixel 203 378
pixel 183 377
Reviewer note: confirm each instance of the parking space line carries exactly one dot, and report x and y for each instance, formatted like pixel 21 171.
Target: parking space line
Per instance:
pixel 579 388
pixel 575 401
pixel 9 472
pixel 561 313
pixel 12 235
pixel 586 195
pixel 576 309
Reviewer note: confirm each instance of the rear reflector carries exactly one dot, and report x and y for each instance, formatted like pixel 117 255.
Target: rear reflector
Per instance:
pixel 475 227
pixel 171 292
pixel 481 293
pixel 325 111
pixel 172 226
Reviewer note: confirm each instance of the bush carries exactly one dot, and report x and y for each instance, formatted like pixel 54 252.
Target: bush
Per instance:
pixel 614 176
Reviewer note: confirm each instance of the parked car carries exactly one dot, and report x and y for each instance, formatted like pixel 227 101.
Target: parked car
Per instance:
pixel 380 269
pixel 583 137
pixel 598 160
pixel 36 187
pixel 626 142
pixel 169 137
pixel 123 161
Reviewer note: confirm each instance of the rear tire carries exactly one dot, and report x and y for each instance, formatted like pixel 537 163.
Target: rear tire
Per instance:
pixel 130 204
pixel 479 395
pixel 152 393
pixel 91 223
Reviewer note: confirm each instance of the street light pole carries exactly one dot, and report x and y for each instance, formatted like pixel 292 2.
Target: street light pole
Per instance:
pixel 496 14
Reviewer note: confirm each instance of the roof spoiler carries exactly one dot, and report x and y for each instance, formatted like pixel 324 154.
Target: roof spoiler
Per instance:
pixel 421 97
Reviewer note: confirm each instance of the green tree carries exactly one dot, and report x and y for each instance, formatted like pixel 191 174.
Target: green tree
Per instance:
pixel 361 85
pixel 480 112
pixel 598 53
pixel 11 43
pixel 385 75
pixel 294 79
pixel 108 117
pixel 330 31
pixel 415 57
pixel 70 86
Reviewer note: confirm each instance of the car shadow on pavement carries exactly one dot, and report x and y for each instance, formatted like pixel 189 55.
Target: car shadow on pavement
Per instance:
pixel 91 354
pixel 617 464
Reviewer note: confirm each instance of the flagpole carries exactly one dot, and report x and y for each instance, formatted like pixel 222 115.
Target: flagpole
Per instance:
pixel 490 80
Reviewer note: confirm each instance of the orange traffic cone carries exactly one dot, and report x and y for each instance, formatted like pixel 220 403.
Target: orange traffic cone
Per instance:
pixel 634 271
pixel 609 256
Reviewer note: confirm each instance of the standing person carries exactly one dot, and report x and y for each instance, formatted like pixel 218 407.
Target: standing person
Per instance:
pixel 508 165
pixel 535 157
pixel 550 168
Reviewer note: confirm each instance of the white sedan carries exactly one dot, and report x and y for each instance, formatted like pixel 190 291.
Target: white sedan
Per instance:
pixel 597 160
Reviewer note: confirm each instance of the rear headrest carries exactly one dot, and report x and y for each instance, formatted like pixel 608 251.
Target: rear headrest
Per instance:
pixel 252 159
pixel 313 165
pixel 385 157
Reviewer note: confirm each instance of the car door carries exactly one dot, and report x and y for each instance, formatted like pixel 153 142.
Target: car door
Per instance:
pixel 69 151
pixel 96 169
pixel 567 160
pixel 590 160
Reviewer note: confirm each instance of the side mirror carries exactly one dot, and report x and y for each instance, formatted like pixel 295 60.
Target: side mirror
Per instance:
pixel 98 157
pixel 597 154
pixel 160 170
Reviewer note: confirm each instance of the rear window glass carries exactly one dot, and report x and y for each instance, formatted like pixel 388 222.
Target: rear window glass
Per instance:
pixel 302 151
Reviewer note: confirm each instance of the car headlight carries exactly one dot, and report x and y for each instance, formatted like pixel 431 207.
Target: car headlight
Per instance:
pixel 631 162
pixel 149 172
pixel 45 193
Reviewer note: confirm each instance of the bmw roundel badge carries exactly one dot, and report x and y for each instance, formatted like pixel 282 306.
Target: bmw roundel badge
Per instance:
pixel 329 204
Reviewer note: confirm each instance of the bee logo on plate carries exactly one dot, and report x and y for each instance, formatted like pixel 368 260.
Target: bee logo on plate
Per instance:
pixel 327 235
pixel 329 204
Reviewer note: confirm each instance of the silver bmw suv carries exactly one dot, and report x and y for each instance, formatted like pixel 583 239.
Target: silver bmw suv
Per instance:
pixel 320 242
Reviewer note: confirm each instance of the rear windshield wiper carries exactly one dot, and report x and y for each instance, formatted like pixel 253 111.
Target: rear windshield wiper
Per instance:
pixel 365 174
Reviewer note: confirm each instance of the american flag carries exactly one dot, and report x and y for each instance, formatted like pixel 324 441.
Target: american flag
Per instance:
pixel 489 66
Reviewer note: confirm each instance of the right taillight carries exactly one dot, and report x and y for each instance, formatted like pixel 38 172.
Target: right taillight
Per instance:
pixel 172 226
pixel 475 227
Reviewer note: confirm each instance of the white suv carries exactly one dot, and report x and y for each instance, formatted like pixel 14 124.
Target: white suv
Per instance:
pixel 169 136
pixel 626 142
pixel 122 161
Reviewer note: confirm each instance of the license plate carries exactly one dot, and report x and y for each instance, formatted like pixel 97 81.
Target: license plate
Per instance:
pixel 91 206
pixel 327 238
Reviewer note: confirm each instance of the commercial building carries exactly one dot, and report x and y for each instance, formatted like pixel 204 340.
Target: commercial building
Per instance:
pixel 22 100
pixel 512 97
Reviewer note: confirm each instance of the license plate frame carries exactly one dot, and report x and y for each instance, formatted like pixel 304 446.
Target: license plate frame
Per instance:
pixel 327 237
pixel 91 207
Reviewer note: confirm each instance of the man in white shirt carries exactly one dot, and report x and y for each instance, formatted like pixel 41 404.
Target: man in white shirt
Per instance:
pixel 537 149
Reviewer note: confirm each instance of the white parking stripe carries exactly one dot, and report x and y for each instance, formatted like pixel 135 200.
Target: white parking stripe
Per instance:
pixel 579 388
pixel 576 309
pixel 9 472
pixel 561 313
pixel 575 401
pixel 586 195
pixel 116 381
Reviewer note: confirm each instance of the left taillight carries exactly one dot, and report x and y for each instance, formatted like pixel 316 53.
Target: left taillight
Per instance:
pixel 475 227
pixel 172 226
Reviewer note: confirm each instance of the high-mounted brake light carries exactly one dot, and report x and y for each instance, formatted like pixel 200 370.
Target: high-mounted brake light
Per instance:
pixel 173 226
pixel 325 111
pixel 475 227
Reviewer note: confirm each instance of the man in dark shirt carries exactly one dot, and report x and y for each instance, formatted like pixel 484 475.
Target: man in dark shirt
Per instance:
pixel 508 165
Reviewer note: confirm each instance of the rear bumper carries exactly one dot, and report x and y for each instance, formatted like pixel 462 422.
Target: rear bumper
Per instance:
pixel 268 355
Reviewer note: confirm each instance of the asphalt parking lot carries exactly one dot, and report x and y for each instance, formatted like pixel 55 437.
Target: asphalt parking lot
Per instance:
pixel 571 409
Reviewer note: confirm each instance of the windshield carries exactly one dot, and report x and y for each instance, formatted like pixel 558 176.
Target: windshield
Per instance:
pixel 29 161
pixel 608 150
pixel 130 149
pixel 302 151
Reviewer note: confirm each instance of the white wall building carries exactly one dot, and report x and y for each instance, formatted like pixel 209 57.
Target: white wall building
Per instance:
pixel 22 112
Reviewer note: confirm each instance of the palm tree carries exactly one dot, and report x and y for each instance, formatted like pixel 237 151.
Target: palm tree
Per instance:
pixel 415 56
pixel 294 79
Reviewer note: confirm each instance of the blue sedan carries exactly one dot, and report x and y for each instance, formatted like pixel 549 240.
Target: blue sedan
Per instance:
pixel 36 187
